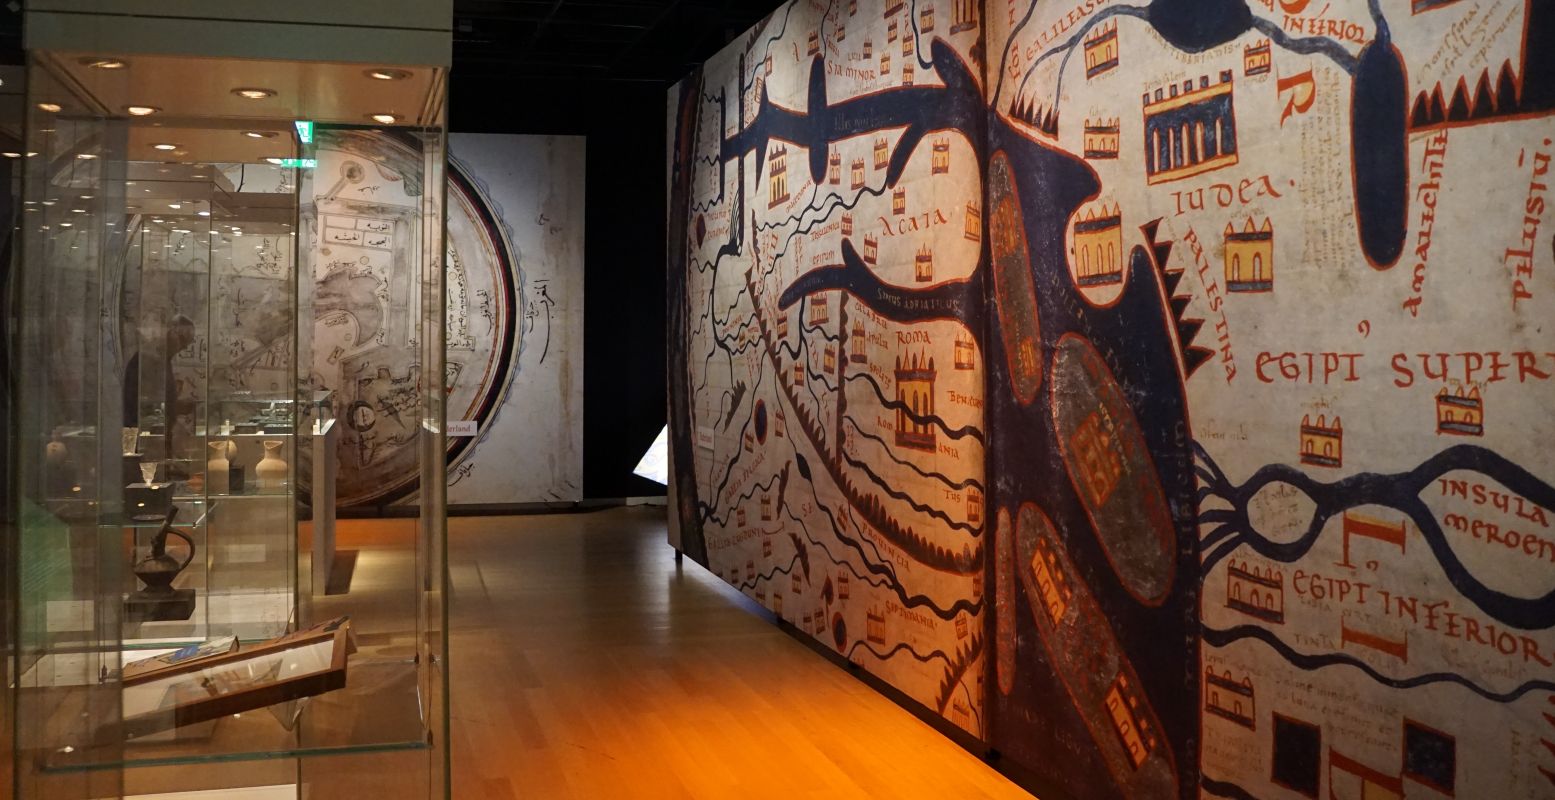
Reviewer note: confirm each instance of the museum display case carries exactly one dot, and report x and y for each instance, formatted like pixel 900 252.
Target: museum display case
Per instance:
pixel 202 306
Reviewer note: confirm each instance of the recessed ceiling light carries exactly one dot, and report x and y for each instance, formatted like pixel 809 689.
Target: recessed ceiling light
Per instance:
pixel 96 62
pixel 253 92
pixel 388 74
pixel 164 146
pixel 141 111
pixel 274 160
pixel 260 134
pixel 175 206
pixel 31 153
pixel 182 230
pixel 48 202
pixel 64 224
pixel 204 213
pixel 52 108
pixel 11 155
pixel 385 119
pixel 78 211
pixel 85 156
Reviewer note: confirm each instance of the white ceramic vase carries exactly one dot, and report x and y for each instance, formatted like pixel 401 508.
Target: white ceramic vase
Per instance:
pixel 217 473
pixel 271 470
pixel 54 453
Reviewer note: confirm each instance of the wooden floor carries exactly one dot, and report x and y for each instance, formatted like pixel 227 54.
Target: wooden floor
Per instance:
pixel 586 664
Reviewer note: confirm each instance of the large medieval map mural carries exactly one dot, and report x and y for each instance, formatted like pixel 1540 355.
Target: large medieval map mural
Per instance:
pixel 1094 373
pixel 513 264
pixel 513 269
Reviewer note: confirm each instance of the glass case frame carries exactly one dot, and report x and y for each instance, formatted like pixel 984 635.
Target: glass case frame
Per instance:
pixel 143 349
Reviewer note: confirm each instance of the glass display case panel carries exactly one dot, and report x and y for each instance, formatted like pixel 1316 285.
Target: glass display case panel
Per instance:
pixel 215 311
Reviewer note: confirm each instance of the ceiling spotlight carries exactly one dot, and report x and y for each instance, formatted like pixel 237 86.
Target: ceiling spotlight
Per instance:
pixel 95 62
pixel 64 224
pixel 253 93
pixel 387 74
pixel 204 213
pixel 78 211
pixel 164 146
pixel 141 111
pixel 52 108
pixel 385 119
pixel 274 160
pixel 260 134
pixel 85 156
pixel 175 206
pixel 11 155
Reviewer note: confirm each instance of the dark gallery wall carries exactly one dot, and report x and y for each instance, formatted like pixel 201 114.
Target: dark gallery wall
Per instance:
pixel 624 357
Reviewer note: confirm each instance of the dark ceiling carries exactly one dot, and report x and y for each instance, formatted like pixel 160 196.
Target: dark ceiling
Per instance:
pixel 655 41
pixel 652 41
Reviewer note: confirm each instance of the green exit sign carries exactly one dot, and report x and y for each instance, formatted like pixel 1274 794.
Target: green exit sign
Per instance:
pixel 304 131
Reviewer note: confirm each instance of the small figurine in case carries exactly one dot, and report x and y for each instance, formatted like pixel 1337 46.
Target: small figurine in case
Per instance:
pixel 148 500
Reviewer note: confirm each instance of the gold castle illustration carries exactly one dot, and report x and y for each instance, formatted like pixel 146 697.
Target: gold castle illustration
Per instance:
pixel 923 265
pixel 1101 49
pixel 939 163
pixel 966 352
pixel 1230 699
pixel 1101 138
pixel 1256 592
pixel 1256 58
pixel 1460 413
pixel 1189 130
pixel 1322 444
pixel 1098 245
pixel 1250 256
pixel 963 15
pixel 777 176
pixel 915 392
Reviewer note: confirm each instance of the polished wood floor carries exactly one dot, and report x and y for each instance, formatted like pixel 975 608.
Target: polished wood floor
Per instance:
pixel 586 664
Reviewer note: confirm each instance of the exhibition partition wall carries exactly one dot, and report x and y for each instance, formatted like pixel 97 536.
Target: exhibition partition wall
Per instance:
pixel 514 256
pixel 1091 373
